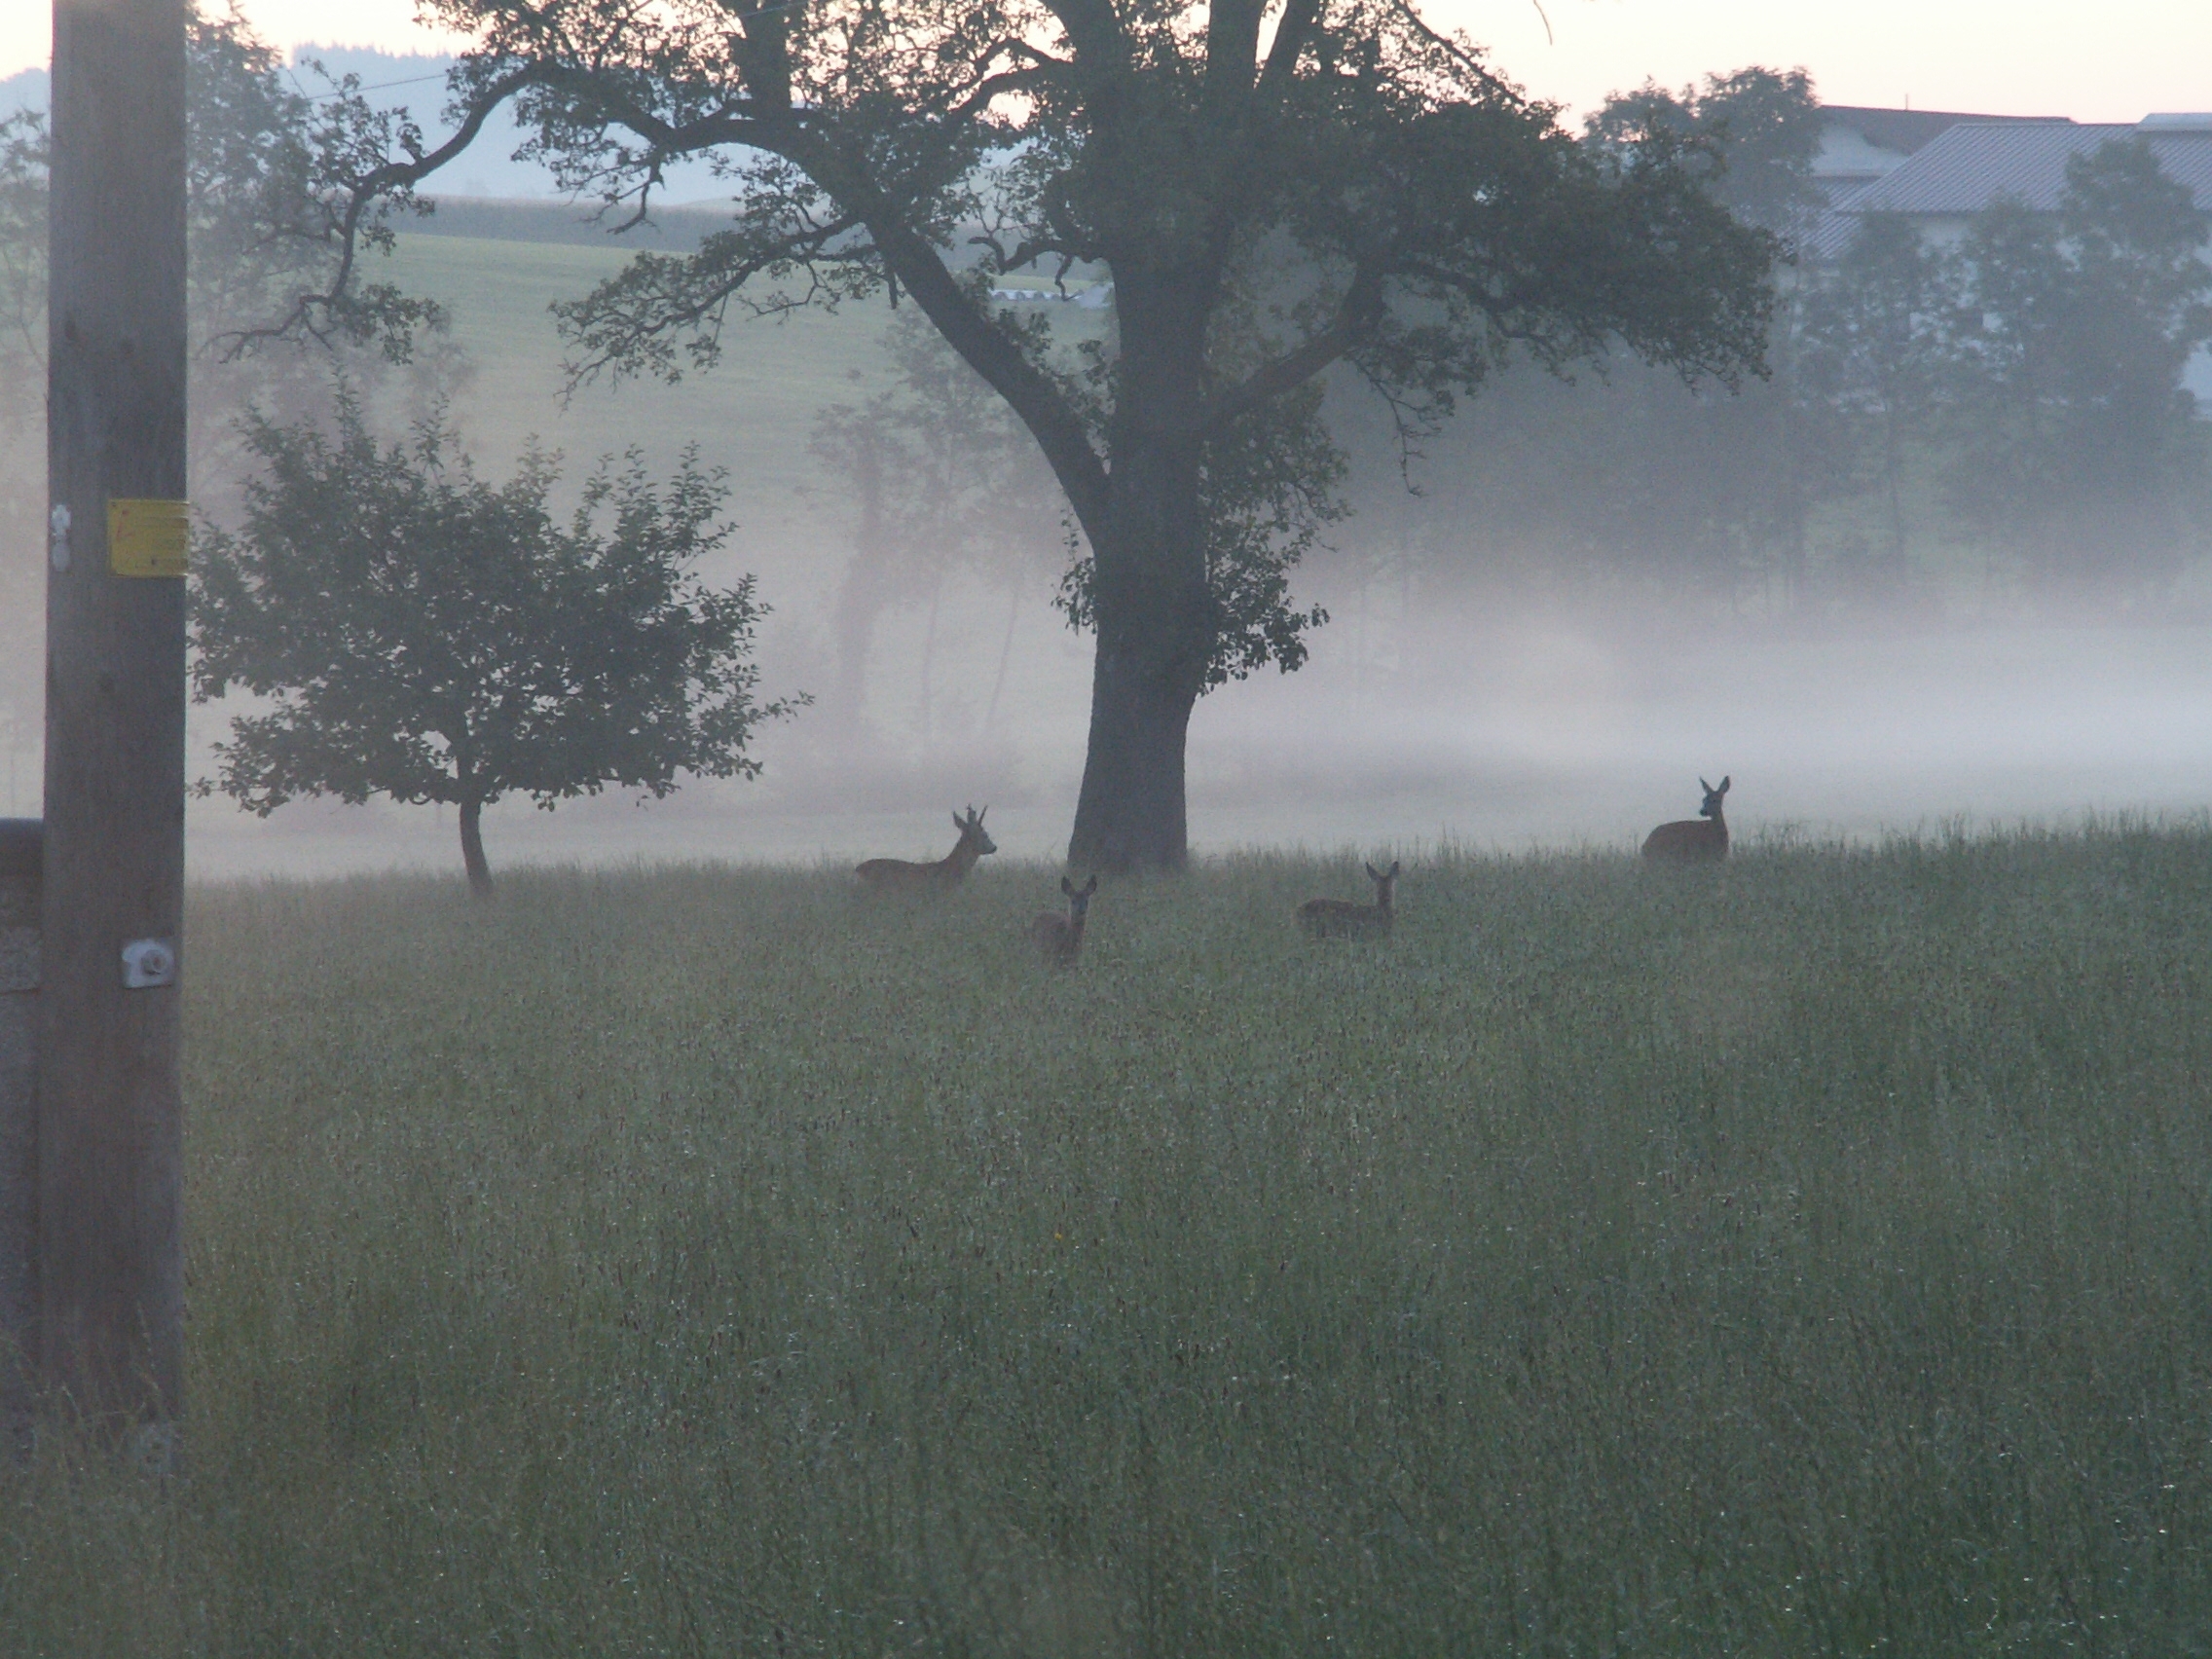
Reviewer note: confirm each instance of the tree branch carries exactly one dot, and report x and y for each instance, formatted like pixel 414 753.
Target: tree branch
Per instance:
pixel 1232 49
pixel 1095 30
pixel 1459 53
pixel 392 177
pixel 1355 319
pixel 627 319
pixel 995 86
pixel 1027 389
pixel 1291 32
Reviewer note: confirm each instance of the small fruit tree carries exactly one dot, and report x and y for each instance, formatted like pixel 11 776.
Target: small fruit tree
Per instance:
pixel 421 633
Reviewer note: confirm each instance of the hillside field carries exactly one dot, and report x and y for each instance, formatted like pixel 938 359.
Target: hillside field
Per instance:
pixel 758 403
pixel 1803 1257
pixel 753 411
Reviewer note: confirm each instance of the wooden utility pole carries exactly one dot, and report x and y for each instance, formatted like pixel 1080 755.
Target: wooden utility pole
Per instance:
pixel 111 1272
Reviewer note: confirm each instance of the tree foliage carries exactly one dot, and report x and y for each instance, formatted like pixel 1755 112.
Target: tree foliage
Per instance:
pixel 1750 136
pixel 1687 492
pixel 1875 358
pixel 2075 445
pixel 1438 216
pixel 2010 404
pixel 276 216
pixel 1267 487
pixel 421 633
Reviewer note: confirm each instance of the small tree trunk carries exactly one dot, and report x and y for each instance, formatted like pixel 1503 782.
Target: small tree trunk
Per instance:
pixel 1006 651
pixel 861 597
pixel 1893 466
pixel 929 654
pixel 472 848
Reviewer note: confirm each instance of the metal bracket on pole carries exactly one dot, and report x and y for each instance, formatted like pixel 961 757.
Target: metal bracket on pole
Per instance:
pixel 149 964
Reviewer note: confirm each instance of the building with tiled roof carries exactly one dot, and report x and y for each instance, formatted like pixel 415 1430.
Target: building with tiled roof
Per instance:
pixel 1970 163
pixel 1860 145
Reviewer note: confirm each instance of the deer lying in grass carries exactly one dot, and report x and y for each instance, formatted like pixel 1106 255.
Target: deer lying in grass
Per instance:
pixel 1340 919
pixel 898 875
pixel 1060 937
pixel 1705 836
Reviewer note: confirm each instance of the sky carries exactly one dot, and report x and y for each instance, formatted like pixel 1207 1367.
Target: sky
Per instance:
pixel 2111 61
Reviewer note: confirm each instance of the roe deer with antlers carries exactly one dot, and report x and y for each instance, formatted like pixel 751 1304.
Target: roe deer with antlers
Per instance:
pixel 899 875
pixel 1060 937
pixel 1705 836
pixel 1340 919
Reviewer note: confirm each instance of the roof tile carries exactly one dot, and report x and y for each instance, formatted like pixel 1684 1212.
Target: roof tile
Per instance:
pixel 1965 168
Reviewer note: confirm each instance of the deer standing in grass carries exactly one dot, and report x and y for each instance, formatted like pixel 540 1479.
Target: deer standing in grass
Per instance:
pixel 1060 937
pixel 899 875
pixel 1340 919
pixel 1686 839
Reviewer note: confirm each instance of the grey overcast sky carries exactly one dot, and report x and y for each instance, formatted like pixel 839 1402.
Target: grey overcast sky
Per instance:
pixel 2113 60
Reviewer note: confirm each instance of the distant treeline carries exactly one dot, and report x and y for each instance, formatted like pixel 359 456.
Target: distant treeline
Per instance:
pixel 668 230
pixel 1999 424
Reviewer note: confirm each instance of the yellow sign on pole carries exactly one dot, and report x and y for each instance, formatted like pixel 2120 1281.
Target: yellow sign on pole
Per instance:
pixel 148 539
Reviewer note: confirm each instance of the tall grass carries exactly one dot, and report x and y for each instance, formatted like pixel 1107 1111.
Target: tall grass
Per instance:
pixel 1804 1257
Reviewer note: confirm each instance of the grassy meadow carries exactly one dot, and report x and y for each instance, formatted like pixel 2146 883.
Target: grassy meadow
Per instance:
pixel 1805 1257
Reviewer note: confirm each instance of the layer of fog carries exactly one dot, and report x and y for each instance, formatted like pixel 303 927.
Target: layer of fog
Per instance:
pixel 1488 733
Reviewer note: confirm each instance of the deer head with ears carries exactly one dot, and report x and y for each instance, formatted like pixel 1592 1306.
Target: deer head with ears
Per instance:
pixel 1060 937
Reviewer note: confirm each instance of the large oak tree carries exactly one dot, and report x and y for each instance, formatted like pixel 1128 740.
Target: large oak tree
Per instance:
pixel 1273 186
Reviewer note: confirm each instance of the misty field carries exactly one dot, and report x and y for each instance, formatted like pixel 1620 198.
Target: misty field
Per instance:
pixel 1806 1257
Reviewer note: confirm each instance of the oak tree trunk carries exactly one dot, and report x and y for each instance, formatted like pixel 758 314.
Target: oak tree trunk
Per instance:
pixel 1157 622
pixel 1131 814
pixel 472 848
